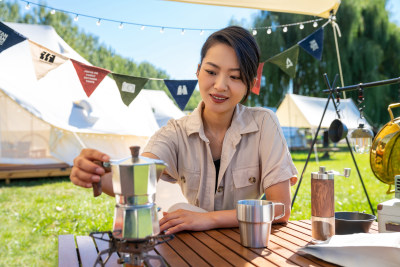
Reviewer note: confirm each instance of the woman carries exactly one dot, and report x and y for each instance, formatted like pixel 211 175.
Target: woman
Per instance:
pixel 223 151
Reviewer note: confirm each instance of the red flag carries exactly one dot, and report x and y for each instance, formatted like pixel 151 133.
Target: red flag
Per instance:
pixel 89 76
pixel 256 87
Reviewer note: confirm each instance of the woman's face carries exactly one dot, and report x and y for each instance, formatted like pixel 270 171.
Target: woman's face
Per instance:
pixel 221 87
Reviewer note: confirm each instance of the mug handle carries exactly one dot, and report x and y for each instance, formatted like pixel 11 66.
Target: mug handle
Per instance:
pixel 283 214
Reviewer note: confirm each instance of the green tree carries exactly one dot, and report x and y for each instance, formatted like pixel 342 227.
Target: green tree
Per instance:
pixel 369 50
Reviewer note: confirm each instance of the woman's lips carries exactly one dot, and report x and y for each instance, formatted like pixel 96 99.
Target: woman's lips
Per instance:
pixel 218 98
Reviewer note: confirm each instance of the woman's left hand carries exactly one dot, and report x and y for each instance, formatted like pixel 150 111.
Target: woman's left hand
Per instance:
pixel 180 220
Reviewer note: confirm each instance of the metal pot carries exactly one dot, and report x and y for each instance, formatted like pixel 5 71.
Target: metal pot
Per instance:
pixel 352 222
pixel 385 150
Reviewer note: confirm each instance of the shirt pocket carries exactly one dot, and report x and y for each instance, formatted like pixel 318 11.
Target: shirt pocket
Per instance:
pixel 246 183
pixel 190 183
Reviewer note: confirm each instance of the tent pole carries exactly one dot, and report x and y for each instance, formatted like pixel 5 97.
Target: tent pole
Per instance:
pixel 335 27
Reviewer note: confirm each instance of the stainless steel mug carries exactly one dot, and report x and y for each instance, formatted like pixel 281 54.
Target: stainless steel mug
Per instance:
pixel 255 218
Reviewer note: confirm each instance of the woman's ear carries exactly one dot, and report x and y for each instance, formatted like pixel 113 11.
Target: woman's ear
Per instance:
pixel 198 70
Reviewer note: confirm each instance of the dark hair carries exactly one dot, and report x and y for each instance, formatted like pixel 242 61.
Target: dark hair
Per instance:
pixel 246 49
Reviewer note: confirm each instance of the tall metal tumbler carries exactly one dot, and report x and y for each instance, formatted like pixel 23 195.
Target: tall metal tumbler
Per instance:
pixel 255 218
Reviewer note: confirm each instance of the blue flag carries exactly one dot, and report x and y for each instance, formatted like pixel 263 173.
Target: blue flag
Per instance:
pixel 9 37
pixel 181 90
pixel 313 44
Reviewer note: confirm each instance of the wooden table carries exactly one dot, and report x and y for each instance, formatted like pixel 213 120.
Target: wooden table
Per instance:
pixel 220 247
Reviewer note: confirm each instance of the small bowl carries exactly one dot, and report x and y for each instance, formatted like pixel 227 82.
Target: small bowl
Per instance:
pixel 352 222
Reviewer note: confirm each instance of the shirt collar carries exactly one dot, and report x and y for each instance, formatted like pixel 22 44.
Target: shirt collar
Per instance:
pixel 242 122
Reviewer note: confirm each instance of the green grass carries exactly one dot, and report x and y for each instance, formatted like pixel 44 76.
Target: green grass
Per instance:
pixel 35 211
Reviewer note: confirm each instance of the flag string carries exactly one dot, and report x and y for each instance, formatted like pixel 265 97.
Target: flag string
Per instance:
pixel 162 28
pixel 129 86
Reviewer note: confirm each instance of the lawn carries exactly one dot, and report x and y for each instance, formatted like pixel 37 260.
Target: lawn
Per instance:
pixel 35 211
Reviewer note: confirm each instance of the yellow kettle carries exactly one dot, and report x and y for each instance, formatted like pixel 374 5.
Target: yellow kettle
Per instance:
pixel 385 150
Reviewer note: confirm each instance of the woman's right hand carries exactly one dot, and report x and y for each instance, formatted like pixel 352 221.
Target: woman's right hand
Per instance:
pixel 85 171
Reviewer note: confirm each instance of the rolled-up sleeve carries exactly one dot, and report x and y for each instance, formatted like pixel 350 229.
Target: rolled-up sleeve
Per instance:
pixel 164 145
pixel 276 161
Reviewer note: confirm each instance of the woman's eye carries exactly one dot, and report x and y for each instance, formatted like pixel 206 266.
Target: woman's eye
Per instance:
pixel 236 77
pixel 210 72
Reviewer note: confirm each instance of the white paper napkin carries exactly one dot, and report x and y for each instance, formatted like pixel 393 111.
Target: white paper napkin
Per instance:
pixel 381 249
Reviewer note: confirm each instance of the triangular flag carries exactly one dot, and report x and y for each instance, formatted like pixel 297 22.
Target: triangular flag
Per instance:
pixel 44 60
pixel 256 87
pixel 89 76
pixel 181 90
pixel 287 60
pixel 9 37
pixel 314 43
pixel 128 86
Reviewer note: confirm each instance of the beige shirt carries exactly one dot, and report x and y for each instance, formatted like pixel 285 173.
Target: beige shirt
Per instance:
pixel 254 157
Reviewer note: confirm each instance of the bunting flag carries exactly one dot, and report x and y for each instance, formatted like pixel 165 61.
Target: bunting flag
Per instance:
pixel 256 87
pixel 287 60
pixel 129 86
pixel 313 44
pixel 89 76
pixel 9 37
pixel 44 60
pixel 181 90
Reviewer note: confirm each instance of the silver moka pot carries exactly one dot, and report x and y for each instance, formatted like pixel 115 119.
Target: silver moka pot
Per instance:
pixel 134 184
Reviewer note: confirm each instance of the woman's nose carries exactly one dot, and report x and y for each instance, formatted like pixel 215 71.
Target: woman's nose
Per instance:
pixel 221 83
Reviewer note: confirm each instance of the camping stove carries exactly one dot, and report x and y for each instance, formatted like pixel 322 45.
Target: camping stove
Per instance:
pixel 131 252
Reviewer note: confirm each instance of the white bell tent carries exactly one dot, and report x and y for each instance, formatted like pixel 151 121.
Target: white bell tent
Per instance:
pixel 48 121
pixel 306 112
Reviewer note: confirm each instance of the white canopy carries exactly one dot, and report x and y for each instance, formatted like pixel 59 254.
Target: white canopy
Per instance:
pixel 306 112
pixel 51 120
pixel 320 8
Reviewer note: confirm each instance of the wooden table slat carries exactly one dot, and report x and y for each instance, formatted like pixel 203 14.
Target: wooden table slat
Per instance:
pixel 67 254
pixel 246 253
pixel 221 250
pixel 306 227
pixel 205 252
pixel 275 248
pixel 170 255
pixel 290 238
pixel 308 222
pixel 186 252
pixel 87 250
pixel 289 231
pixel 299 229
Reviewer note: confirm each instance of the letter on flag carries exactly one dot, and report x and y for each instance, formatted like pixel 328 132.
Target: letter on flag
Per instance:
pixel 9 37
pixel 129 86
pixel 313 44
pixel 89 76
pixel 287 60
pixel 256 87
pixel 44 60
pixel 181 90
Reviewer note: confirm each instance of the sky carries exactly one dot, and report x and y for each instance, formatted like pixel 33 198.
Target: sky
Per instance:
pixel 176 53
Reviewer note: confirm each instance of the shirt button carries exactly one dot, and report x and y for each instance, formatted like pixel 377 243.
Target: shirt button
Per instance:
pixel 183 179
pixel 220 189
pixel 252 180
